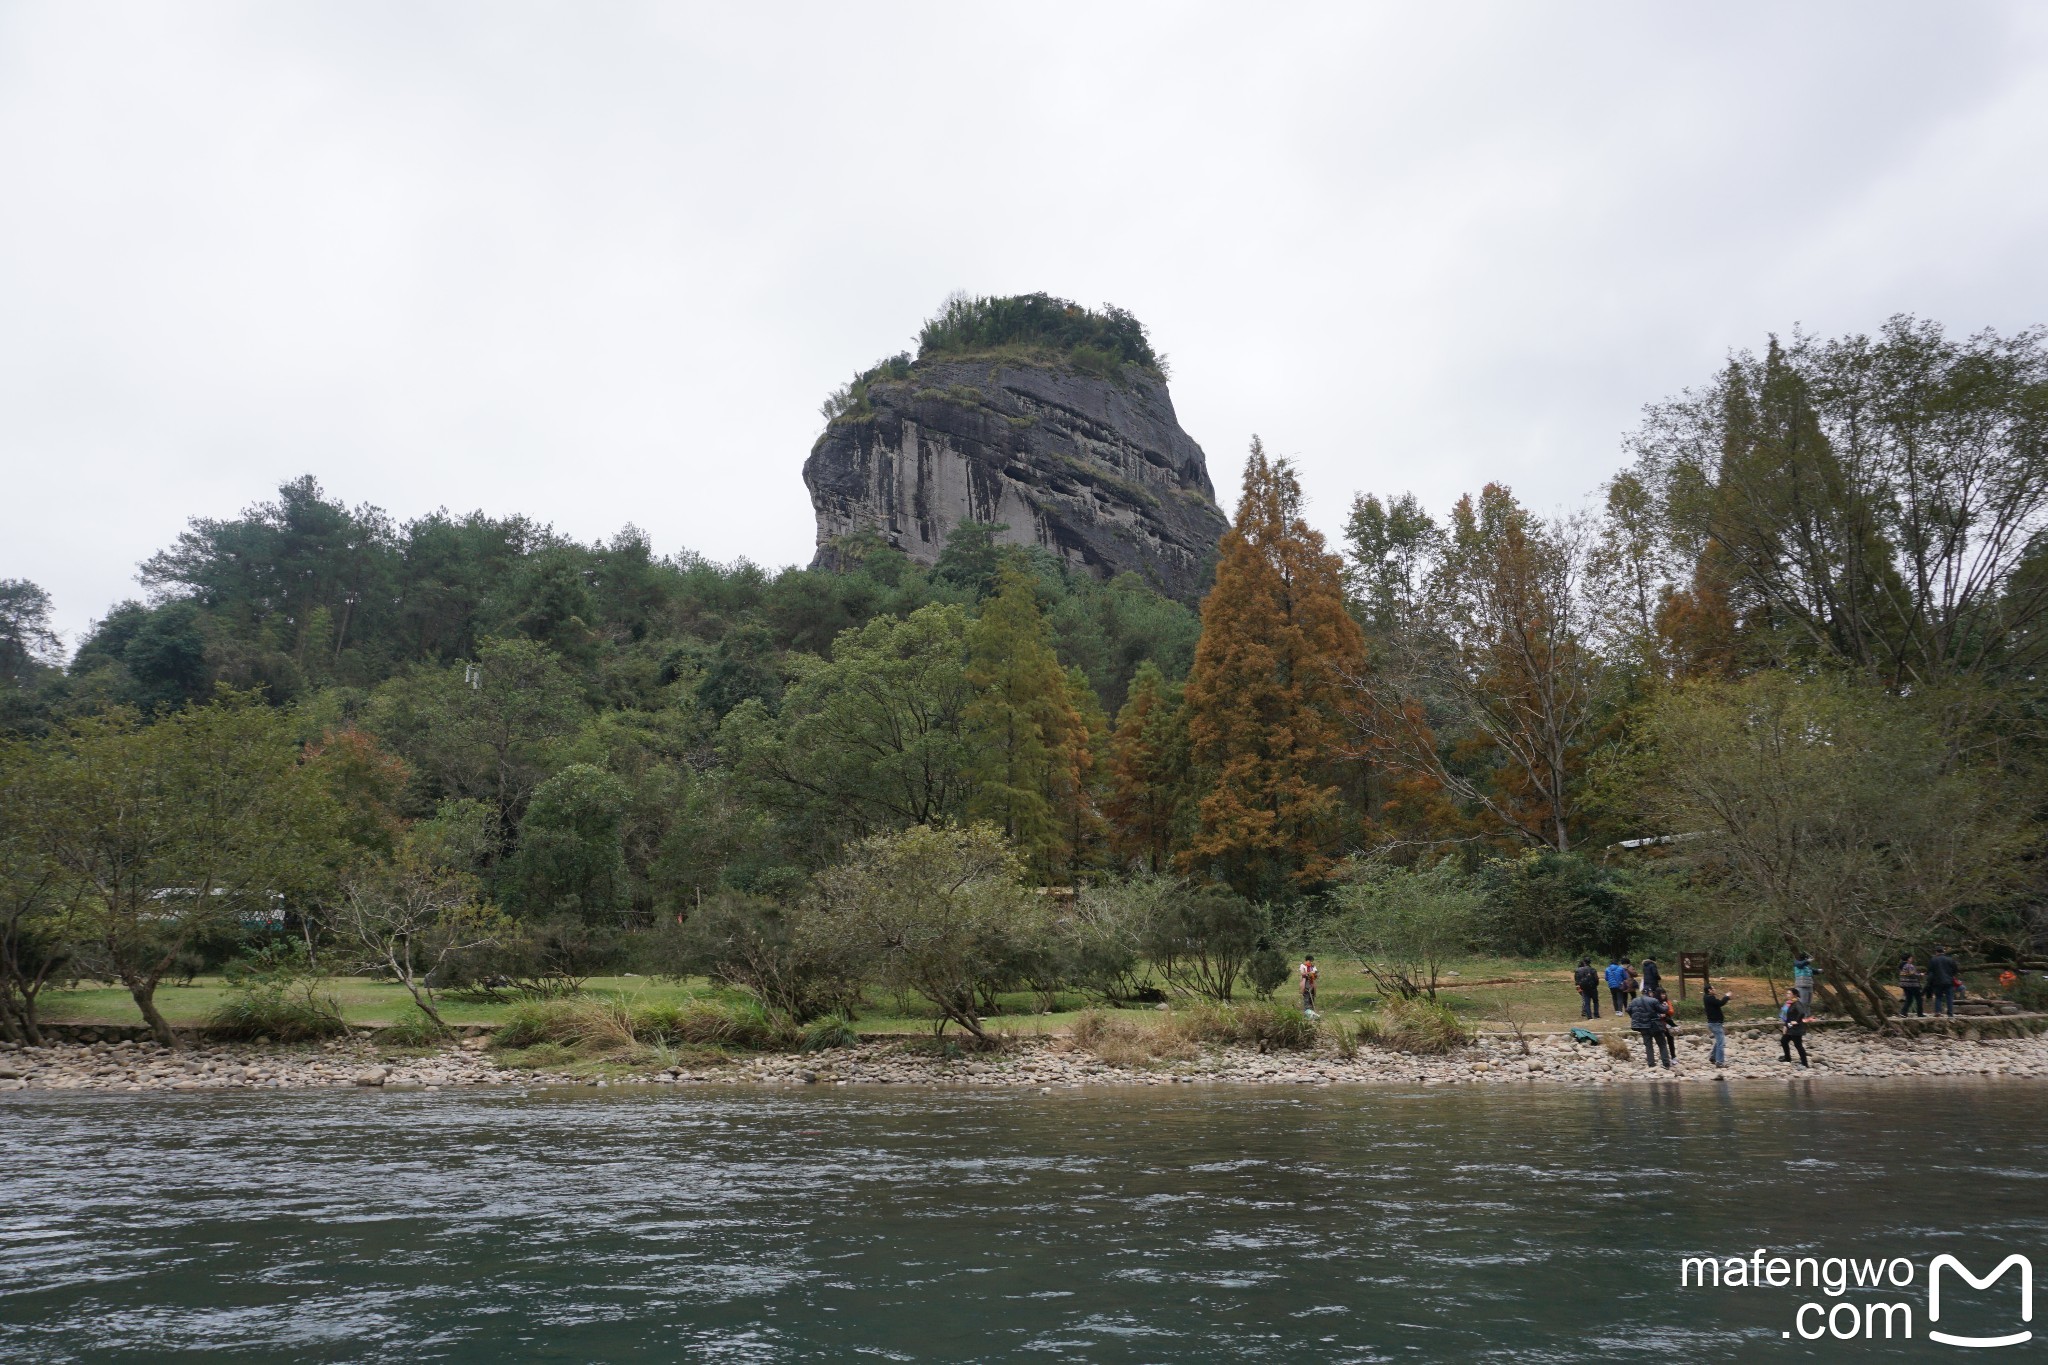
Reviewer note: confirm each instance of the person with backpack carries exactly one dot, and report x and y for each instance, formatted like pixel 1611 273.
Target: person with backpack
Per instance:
pixel 1943 973
pixel 1646 1016
pixel 1588 982
pixel 1792 1027
pixel 1617 985
pixel 1913 985
pixel 1717 1022
pixel 1653 976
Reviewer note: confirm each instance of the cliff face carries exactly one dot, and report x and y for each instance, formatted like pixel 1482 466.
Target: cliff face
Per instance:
pixel 1097 472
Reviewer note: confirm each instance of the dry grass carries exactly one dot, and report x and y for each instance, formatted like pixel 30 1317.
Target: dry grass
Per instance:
pixel 1123 1041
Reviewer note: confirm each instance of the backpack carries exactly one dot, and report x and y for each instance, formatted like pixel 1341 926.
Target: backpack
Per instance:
pixel 1584 978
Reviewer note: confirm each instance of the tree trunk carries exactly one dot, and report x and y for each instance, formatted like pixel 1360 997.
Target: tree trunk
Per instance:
pixel 145 1000
pixel 21 1019
pixel 424 999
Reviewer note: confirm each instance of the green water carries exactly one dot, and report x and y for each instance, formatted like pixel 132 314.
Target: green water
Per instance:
pixel 1344 1224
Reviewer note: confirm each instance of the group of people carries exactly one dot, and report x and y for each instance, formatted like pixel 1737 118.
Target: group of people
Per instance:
pixel 1641 996
pixel 1939 981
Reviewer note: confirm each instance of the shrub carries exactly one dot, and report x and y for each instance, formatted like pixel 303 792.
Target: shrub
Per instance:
pixel 1204 939
pixel 1546 903
pixel 753 943
pixel 1345 1039
pixel 414 1029
pixel 1264 1025
pixel 2030 992
pixel 549 958
pixel 531 1022
pixel 1103 933
pixel 708 1023
pixel 1096 342
pixel 1417 1026
pixel 1403 924
pixel 1267 970
pixel 289 1014
pixel 825 1034
pixel 605 1025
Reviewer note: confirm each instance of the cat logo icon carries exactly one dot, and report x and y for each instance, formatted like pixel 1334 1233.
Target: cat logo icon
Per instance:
pixel 2026 1298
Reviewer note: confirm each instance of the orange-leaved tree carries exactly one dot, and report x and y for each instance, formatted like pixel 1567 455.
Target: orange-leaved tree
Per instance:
pixel 1267 694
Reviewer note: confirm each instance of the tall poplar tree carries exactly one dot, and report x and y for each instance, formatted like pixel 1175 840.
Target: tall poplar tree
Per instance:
pixel 1267 693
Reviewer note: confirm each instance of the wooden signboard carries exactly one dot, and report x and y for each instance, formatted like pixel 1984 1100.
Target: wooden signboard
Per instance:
pixel 1691 964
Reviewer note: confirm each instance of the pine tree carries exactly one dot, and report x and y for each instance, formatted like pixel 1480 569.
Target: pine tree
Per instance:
pixel 1266 695
pixel 1029 740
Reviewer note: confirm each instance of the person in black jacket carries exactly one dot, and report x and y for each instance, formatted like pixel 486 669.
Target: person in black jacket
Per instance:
pixel 1653 976
pixel 1646 1016
pixel 1942 975
pixel 1717 1024
pixel 1793 1033
pixel 1588 982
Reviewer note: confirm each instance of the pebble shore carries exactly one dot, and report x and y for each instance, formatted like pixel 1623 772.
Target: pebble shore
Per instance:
pixel 1046 1064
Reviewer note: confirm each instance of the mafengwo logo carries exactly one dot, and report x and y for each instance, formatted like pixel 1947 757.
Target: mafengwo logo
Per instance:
pixel 1864 1318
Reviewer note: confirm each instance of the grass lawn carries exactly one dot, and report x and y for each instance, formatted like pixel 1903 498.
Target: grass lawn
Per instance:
pixel 1488 991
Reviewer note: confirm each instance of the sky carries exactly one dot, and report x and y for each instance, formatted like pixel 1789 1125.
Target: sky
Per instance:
pixel 600 263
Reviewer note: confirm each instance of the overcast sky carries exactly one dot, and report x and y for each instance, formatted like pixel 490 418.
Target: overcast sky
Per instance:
pixel 599 263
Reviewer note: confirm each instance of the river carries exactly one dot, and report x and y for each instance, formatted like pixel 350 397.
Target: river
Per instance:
pixel 1197 1223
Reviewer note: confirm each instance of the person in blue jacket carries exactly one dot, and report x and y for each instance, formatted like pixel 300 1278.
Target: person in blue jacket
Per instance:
pixel 1617 984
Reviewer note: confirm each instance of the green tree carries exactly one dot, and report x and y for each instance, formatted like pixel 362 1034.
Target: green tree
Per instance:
pixel 414 915
pixel 872 740
pixel 1403 924
pixel 301 577
pixel 486 730
pixel 1150 792
pixel 1869 500
pixel 1206 938
pixel 1391 548
pixel 179 830
pixel 1027 739
pixel 571 858
pixel 935 911
pixel 40 906
pixel 27 644
pixel 1832 818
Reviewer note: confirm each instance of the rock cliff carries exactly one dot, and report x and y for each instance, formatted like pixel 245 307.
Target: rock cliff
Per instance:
pixel 1094 469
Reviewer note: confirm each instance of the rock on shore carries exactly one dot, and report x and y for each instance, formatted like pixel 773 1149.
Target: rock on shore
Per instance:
pixel 228 1066
pixel 140 1067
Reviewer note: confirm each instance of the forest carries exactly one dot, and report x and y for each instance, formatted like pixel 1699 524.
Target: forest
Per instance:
pixel 1776 688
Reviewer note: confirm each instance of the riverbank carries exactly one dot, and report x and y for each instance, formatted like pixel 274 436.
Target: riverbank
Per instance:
pixel 134 1067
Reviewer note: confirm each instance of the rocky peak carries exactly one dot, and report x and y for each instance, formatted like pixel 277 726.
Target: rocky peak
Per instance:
pixel 1071 447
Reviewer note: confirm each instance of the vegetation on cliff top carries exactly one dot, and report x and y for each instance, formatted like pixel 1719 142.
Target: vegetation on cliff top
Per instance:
pixel 1028 328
